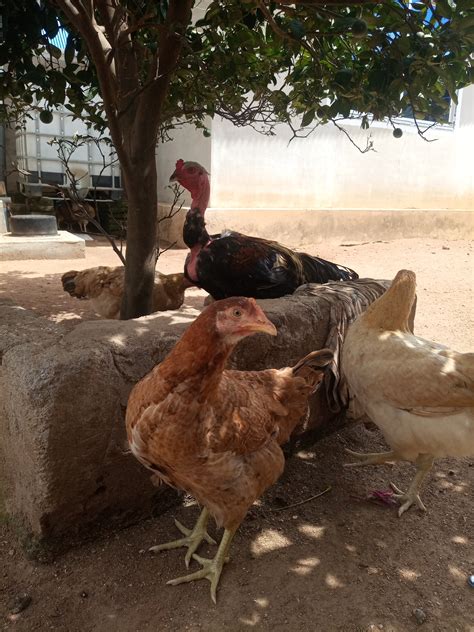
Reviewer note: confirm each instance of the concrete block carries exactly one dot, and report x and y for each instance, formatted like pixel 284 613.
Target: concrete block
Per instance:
pixel 64 245
pixel 3 214
pixel 63 399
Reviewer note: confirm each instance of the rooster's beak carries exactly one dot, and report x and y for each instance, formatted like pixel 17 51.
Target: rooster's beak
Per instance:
pixel 173 177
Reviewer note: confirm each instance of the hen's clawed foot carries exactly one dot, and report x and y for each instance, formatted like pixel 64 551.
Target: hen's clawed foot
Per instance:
pixel 192 539
pixel 211 569
pixel 407 499
pixel 373 458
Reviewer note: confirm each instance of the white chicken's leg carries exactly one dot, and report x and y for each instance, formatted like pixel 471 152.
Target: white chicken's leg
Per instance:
pixel 373 458
pixel 211 569
pixel 192 539
pixel 424 463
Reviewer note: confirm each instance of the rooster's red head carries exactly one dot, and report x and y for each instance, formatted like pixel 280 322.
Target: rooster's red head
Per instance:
pixel 192 176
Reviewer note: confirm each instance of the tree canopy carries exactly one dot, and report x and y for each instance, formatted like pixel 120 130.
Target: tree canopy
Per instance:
pixel 254 63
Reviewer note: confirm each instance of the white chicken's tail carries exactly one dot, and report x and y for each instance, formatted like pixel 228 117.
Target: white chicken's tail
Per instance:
pixel 313 366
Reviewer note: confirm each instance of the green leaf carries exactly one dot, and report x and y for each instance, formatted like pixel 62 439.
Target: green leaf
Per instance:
pixel 296 29
pixel 70 50
pixel 308 118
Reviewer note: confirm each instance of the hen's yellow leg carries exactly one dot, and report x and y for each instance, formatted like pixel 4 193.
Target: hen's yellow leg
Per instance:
pixel 192 539
pixel 211 569
pixel 373 458
pixel 424 463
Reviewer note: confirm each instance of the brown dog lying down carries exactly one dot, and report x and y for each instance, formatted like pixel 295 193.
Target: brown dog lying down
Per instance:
pixel 103 286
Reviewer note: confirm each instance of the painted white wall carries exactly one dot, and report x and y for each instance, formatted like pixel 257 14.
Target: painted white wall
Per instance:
pixel 324 171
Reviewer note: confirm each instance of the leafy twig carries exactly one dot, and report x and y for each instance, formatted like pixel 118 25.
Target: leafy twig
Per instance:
pixel 369 143
pixel 419 130
pixel 66 148
pixel 176 206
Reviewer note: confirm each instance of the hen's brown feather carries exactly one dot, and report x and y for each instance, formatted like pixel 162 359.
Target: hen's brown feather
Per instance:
pixel 103 286
pixel 213 432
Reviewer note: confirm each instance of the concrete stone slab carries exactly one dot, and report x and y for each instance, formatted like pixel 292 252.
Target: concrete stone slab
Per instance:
pixel 64 245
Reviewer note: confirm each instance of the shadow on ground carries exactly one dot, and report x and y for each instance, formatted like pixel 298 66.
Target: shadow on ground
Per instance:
pixel 44 296
pixel 336 563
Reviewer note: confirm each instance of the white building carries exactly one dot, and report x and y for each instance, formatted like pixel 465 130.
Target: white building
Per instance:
pixel 324 185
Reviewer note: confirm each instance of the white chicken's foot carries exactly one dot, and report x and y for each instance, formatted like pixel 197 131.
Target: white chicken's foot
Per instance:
pixel 211 569
pixel 373 458
pixel 192 539
pixel 424 462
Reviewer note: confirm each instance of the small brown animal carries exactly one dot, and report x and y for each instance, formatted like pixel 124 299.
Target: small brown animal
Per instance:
pixel 103 286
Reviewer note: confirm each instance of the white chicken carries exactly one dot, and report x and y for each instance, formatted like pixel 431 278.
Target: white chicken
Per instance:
pixel 419 393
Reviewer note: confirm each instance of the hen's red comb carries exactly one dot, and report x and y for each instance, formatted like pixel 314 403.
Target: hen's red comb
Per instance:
pixel 179 164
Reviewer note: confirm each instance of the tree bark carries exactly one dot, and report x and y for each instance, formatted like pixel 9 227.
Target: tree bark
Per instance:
pixel 133 115
pixel 140 183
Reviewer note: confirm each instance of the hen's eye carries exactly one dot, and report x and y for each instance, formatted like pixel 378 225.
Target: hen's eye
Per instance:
pixel 190 170
pixel 237 313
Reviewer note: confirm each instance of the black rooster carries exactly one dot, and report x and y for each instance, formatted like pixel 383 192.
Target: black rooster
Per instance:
pixel 232 264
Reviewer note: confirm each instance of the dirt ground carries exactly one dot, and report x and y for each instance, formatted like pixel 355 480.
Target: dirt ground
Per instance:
pixel 335 563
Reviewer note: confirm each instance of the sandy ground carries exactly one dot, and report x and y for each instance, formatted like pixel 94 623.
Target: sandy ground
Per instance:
pixel 336 563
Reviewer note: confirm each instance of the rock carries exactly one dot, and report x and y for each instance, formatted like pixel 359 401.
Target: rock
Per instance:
pixel 20 603
pixel 419 615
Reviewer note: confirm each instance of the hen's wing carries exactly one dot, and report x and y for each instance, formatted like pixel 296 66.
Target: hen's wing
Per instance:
pixel 418 375
pixel 255 407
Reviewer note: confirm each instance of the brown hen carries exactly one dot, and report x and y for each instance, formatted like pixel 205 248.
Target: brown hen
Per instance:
pixel 103 286
pixel 216 433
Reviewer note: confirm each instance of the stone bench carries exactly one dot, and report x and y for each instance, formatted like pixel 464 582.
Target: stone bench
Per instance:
pixel 63 399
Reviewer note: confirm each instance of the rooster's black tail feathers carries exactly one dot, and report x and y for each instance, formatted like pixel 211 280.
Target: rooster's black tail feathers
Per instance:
pixel 318 270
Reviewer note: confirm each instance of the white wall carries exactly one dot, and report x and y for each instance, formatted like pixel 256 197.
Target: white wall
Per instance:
pixel 324 171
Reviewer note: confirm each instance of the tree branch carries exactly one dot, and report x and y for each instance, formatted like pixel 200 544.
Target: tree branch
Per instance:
pixel 100 51
pixel 369 142
pixel 279 31
pixel 169 49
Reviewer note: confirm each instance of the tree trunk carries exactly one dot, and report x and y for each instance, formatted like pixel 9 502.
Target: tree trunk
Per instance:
pixel 140 183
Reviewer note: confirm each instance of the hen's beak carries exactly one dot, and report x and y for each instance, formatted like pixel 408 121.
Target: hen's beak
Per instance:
pixel 174 177
pixel 262 325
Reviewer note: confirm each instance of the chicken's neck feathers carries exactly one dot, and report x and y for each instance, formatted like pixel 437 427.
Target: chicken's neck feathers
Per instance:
pixel 197 362
pixel 201 198
pixel 391 312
